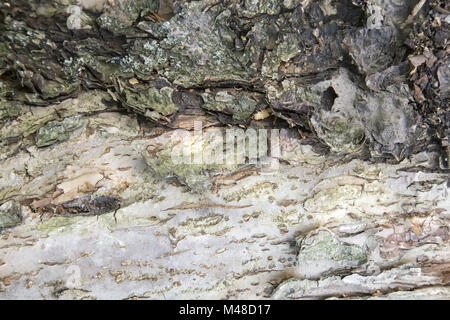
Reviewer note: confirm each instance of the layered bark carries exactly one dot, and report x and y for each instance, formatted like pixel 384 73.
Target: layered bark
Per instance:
pixel 96 95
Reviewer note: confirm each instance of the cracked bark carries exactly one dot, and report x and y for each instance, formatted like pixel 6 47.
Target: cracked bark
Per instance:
pixel 94 98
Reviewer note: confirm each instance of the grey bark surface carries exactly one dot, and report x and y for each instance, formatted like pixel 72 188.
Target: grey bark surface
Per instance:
pixel 96 95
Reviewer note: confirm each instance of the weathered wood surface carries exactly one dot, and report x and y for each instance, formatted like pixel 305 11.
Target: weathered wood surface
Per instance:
pixel 239 242
pixel 92 206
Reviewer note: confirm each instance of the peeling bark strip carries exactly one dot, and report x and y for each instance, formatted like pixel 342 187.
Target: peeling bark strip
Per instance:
pixel 352 202
pixel 83 206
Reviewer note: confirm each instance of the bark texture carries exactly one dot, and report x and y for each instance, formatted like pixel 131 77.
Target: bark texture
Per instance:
pixel 95 96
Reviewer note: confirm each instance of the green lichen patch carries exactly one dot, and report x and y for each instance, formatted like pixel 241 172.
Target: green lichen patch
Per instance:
pixel 341 134
pixel 321 252
pixel 60 225
pixel 10 215
pixel 145 98
pixel 28 123
pixel 57 131
pixel 239 105
pixel 190 174
pixel 9 110
pixel 190 158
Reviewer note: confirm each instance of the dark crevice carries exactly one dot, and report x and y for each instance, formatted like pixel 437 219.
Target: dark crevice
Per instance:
pixel 328 98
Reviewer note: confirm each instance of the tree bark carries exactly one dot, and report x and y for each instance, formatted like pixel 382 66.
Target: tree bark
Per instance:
pixel 351 201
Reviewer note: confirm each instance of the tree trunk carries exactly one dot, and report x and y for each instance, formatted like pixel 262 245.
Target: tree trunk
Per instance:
pixel 343 104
